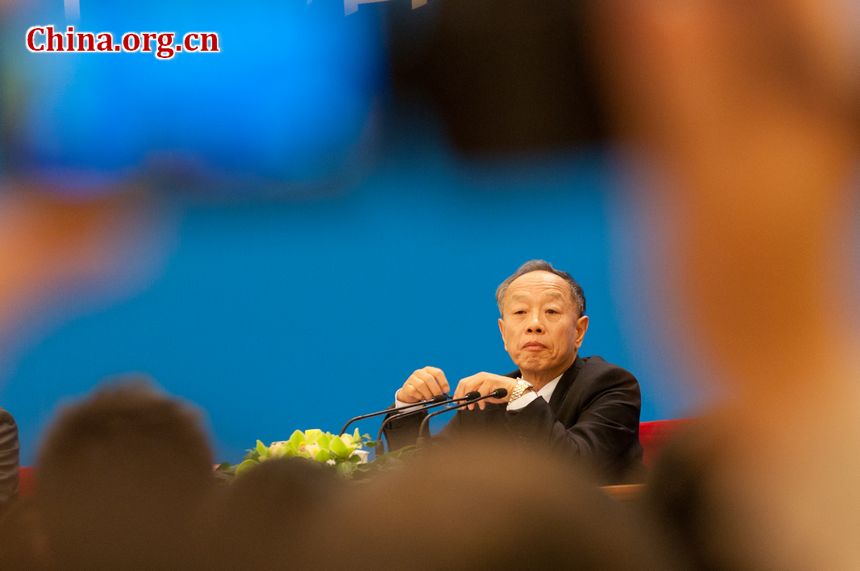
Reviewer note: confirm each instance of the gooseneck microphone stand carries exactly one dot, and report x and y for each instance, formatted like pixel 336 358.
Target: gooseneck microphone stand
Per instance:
pixel 443 398
pixel 380 446
pixel 425 424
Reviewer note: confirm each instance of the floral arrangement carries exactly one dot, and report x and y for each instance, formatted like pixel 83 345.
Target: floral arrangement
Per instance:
pixel 344 453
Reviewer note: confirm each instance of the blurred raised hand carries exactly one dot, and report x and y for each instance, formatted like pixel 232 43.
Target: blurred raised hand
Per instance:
pixel 747 115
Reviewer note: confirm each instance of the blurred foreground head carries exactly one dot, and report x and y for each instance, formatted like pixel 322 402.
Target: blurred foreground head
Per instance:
pixel 482 504
pixel 264 514
pixel 121 477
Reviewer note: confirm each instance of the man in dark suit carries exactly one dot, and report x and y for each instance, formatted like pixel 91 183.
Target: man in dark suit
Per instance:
pixel 582 407
pixel 8 459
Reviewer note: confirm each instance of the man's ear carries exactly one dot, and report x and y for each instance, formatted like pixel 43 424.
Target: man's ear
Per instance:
pixel 581 328
pixel 502 331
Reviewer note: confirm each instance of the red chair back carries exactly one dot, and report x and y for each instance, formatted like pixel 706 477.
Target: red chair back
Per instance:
pixel 26 481
pixel 654 434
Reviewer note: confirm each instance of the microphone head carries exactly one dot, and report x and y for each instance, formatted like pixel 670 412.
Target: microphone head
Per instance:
pixel 472 395
pixel 499 393
pixel 440 398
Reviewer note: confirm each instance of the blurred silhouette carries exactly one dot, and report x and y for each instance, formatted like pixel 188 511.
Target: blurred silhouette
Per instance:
pixel 22 543
pixel 261 522
pixel 483 504
pixel 746 115
pixel 512 77
pixel 8 459
pixel 122 478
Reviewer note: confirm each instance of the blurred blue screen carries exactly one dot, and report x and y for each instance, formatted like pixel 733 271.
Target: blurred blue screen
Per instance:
pixel 287 99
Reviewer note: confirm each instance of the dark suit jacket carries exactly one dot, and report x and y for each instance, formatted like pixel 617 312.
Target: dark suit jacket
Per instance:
pixel 8 458
pixel 593 415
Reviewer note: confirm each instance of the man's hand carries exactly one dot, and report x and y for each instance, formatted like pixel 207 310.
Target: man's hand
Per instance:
pixel 423 384
pixel 485 383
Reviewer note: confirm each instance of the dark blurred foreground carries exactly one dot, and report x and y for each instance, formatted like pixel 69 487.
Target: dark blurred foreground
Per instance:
pixel 125 481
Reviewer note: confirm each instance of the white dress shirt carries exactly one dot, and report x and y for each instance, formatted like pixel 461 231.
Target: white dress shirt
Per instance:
pixel 545 393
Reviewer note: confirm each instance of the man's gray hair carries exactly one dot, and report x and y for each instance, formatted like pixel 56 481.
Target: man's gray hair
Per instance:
pixel 576 293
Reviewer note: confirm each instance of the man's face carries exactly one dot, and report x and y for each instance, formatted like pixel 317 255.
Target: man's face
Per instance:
pixel 540 324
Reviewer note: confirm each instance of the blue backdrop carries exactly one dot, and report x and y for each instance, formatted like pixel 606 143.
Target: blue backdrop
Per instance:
pixel 381 256
pixel 273 316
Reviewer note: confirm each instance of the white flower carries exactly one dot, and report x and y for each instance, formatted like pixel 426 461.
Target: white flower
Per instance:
pixel 362 455
pixel 278 449
pixel 311 450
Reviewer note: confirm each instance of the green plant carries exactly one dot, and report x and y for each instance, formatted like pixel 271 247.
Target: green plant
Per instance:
pixel 344 453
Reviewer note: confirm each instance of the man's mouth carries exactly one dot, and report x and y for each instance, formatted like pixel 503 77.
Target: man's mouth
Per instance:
pixel 534 346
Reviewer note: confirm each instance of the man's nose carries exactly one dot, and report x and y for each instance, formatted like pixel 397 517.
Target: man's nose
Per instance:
pixel 535 325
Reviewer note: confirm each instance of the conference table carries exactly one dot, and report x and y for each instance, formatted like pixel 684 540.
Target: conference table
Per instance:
pixel 624 492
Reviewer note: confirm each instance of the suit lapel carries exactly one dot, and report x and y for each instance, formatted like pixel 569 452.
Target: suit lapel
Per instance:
pixel 564 384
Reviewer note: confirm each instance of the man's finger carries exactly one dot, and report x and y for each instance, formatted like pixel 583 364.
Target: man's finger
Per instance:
pixel 418 387
pixel 431 380
pixel 411 392
pixel 427 389
pixel 463 387
pixel 439 375
pixel 407 393
pixel 484 389
pixel 470 384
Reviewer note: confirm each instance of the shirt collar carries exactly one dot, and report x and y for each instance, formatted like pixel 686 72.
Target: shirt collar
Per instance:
pixel 546 391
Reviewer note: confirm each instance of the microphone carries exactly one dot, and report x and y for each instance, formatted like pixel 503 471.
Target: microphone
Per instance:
pixel 437 399
pixel 472 395
pixel 496 394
